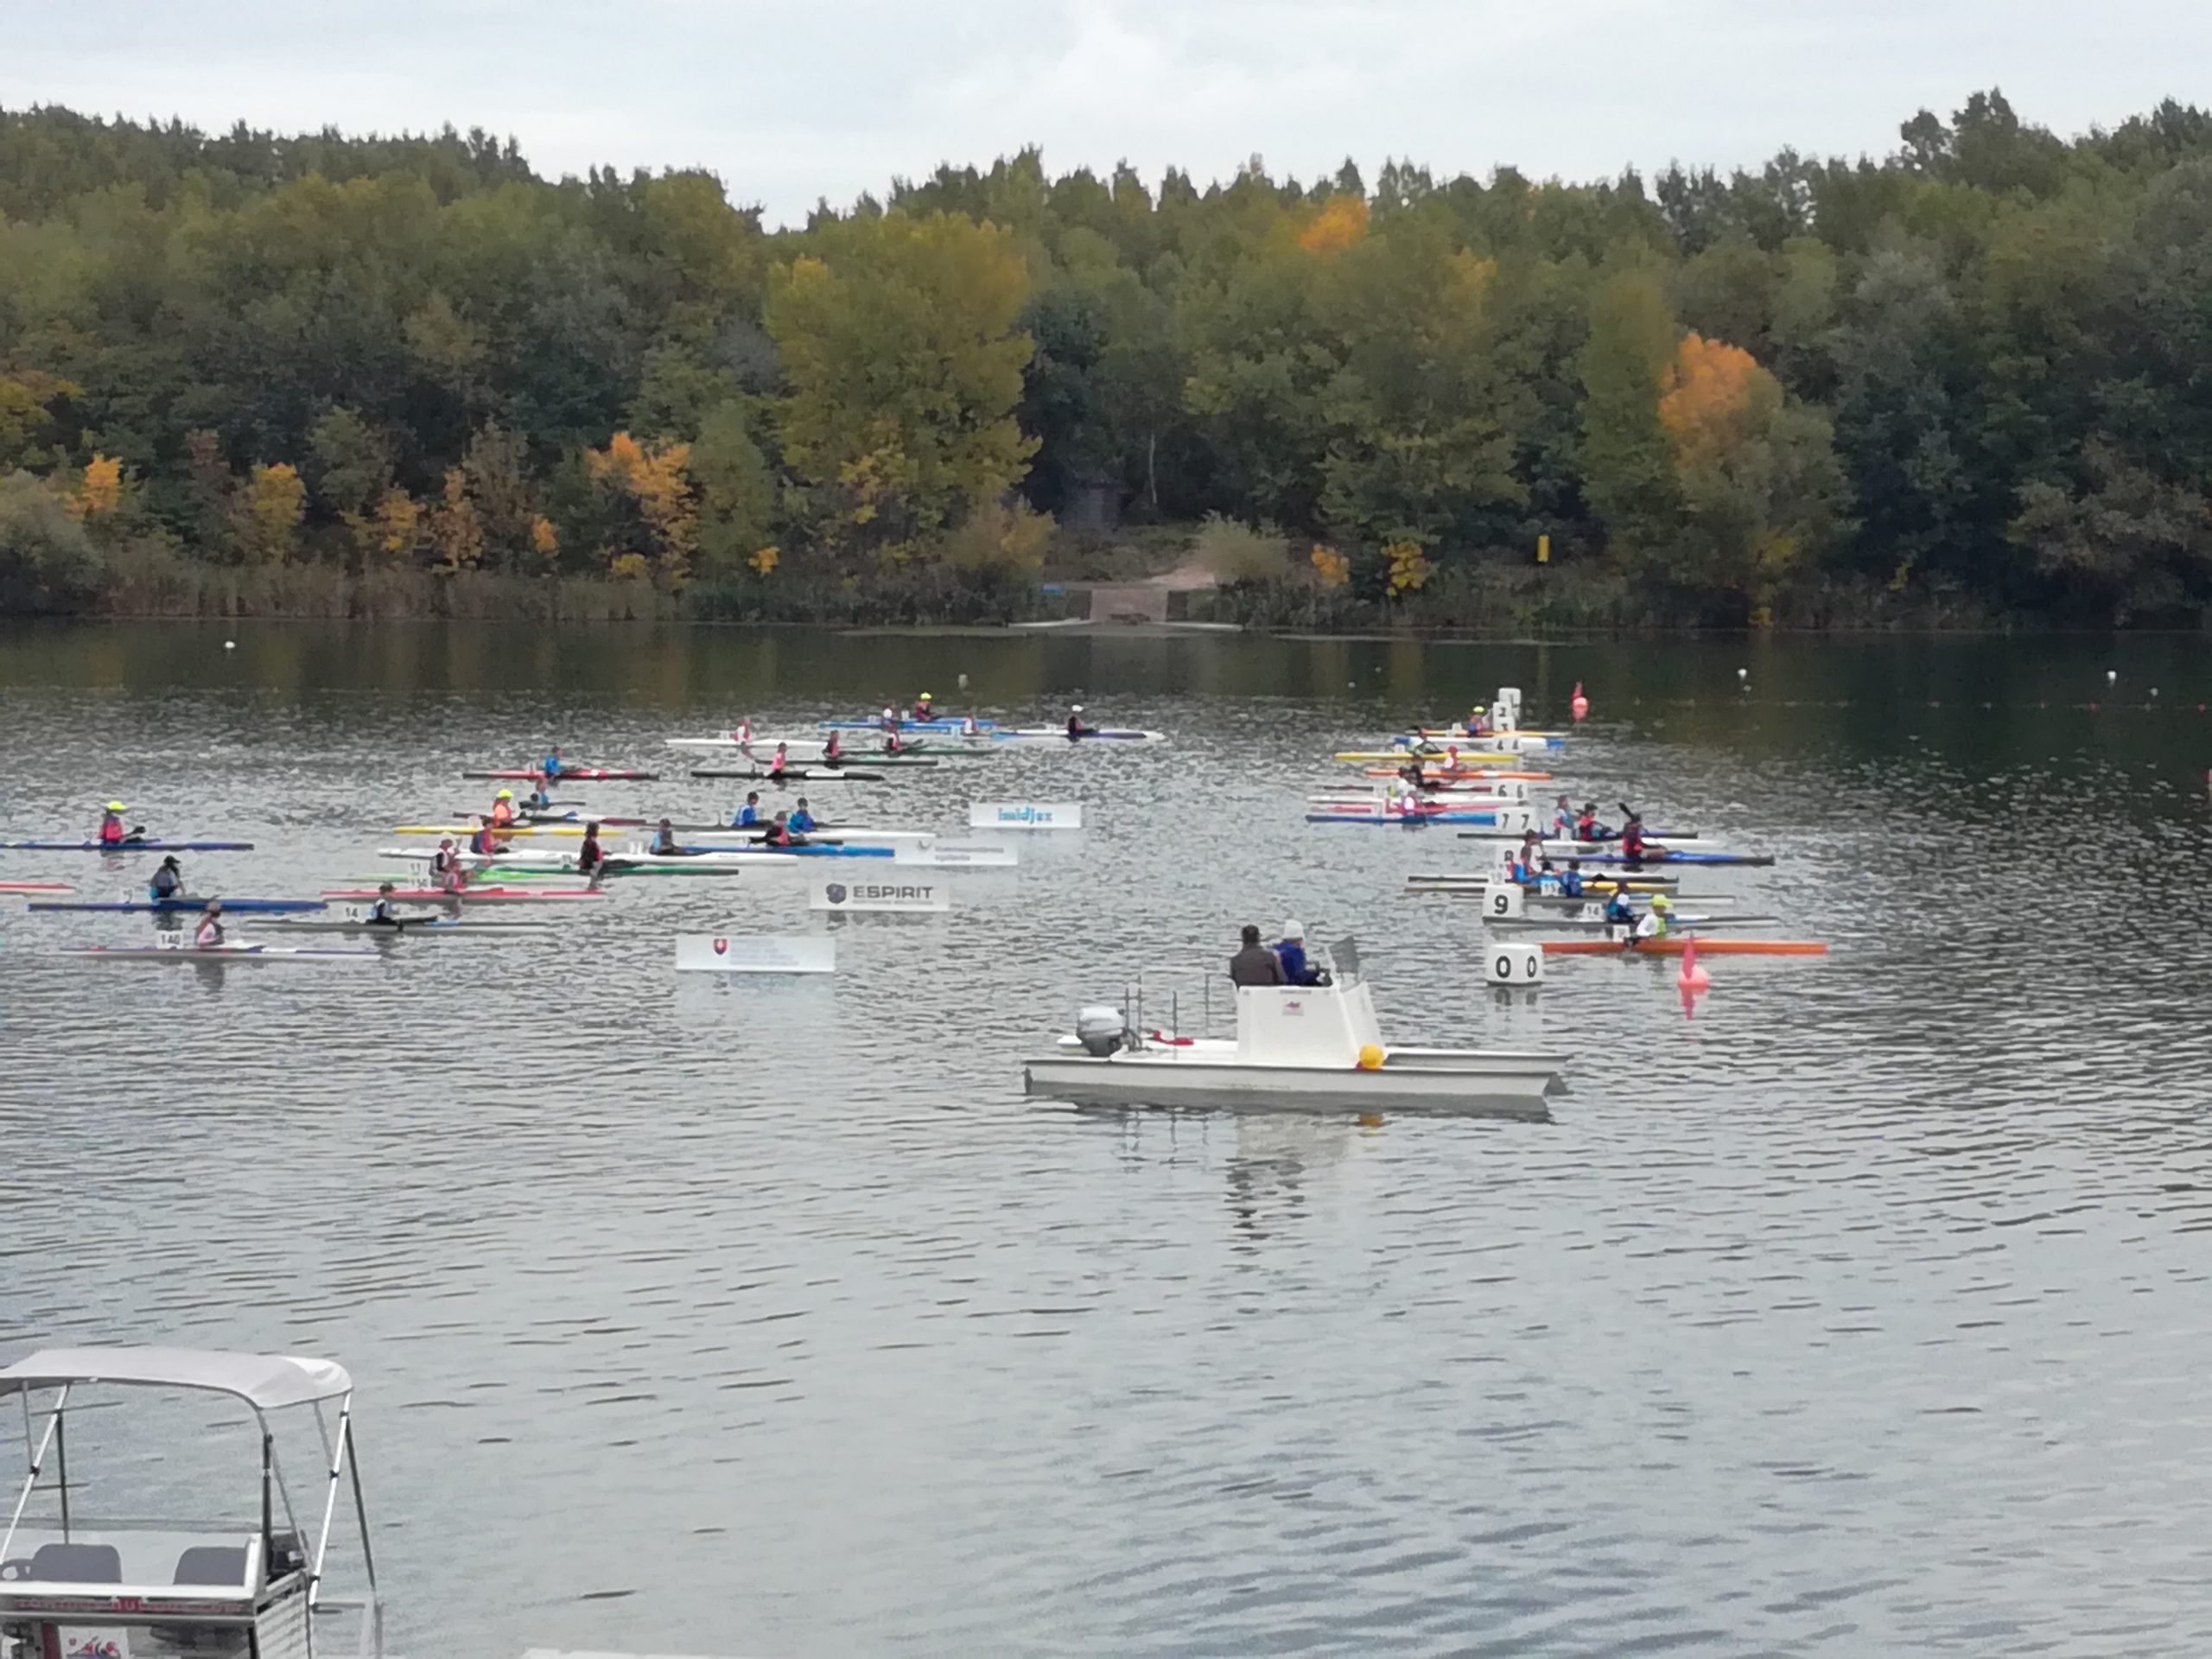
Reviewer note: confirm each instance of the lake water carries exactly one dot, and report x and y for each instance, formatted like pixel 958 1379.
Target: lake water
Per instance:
pixel 1863 1311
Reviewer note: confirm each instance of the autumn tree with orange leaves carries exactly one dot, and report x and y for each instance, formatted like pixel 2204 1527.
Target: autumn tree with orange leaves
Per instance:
pixel 655 518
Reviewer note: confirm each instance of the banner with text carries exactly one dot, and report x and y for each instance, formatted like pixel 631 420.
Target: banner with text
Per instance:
pixel 1025 814
pixel 840 892
pixel 715 953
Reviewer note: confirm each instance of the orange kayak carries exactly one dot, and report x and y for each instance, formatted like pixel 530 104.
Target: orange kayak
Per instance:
pixel 1673 947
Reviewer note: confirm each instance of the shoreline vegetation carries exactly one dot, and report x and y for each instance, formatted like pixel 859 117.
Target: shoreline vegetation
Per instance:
pixel 1958 386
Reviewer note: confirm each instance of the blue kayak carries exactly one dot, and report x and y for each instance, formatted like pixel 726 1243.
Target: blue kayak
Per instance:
pixel 1405 820
pixel 1657 857
pixel 243 906
pixel 127 847
pixel 811 849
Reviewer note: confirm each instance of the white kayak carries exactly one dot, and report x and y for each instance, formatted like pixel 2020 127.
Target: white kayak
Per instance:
pixel 410 927
pixel 1059 734
pixel 723 860
pixel 239 951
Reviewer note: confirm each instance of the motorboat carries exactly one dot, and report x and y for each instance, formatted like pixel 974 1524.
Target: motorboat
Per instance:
pixel 249 1587
pixel 1297 1048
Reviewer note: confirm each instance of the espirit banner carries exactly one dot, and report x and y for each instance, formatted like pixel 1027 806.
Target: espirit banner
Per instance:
pixel 837 892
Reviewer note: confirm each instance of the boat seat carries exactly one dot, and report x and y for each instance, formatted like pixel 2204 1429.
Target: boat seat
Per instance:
pixel 212 1564
pixel 77 1564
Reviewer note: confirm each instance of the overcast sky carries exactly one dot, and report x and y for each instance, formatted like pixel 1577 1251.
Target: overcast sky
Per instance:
pixel 792 100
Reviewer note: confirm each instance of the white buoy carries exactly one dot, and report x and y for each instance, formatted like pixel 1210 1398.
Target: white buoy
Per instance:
pixel 2112 677
pixel 1743 673
pixel 229 645
pixel 963 682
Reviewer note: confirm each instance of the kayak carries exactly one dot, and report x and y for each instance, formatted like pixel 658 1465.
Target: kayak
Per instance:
pixel 35 887
pixel 1418 820
pixel 1478 883
pixel 237 906
pixel 805 751
pixel 721 860
pixel 412 926
pixel 1672 946
pixel 1047 734
pixel 1555 847
pixel 470 895
pixel 128 846
pixel 1580 924
pixel 1489 760
pixel 949 727
pixel 801 774
pixel 225 953
pixel 1657 855
pixel 570 775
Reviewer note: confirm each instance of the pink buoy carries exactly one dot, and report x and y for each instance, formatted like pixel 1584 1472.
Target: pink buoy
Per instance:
pixel 1580 705
pixel 1693 977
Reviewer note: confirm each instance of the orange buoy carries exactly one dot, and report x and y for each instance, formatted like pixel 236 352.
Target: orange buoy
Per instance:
pixel 1693 977
pixel 1580 705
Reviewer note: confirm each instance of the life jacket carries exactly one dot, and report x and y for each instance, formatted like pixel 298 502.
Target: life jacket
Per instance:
pixel 210 931
pixel 1632 840
pixel 502 813
pixel 110 830
pixel 481 841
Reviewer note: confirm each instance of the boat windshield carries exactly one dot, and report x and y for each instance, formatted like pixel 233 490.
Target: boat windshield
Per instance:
pixel 1343 958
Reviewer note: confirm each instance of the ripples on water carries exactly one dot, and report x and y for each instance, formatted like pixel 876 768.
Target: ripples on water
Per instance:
pixel 1861 1312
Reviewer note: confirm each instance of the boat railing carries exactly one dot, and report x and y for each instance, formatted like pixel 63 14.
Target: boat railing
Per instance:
pixel 1169 985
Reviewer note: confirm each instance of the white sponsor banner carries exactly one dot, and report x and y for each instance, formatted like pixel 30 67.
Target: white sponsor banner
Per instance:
pixel 951 855
pixel 722 953
pixel 844 892
pixel 1026 815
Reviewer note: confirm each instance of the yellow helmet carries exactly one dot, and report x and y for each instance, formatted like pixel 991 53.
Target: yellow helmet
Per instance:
pixel 505 795
pixel 1660 901
pixel 115 806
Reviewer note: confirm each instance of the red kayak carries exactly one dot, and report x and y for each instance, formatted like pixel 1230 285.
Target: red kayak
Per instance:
pixel 466 895
pixel 35 887
pixel 572 775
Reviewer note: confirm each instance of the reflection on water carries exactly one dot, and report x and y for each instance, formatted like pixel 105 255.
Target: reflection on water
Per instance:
pixel 1860 1313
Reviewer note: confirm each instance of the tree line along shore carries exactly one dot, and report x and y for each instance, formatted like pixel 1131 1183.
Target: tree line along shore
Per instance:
pixel 1962 382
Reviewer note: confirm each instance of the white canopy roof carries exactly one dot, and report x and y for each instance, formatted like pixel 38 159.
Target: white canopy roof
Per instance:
pixel 266 1381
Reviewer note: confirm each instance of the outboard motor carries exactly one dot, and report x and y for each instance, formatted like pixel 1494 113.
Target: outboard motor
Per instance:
pixel 1100 1031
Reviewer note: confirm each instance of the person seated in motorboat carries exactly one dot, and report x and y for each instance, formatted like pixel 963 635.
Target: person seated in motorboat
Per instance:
pixel 208 935
pixel 112 833
pixel 1291 952
pixel 1075 728
pixel 1619 911
pixel 591 857
pixel 1255 965
pixel 748 816
pixel 502 815
pixel 1570 880
pixel 168 880
pixel 801 820
pixel 664 844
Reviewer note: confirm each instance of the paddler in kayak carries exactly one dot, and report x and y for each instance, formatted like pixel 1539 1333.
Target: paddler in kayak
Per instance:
pixel 664 843
pixel 552 767
pixel 168 882
pixel 742 734
pixel 484 841
pixel 1075 728
pixel 381 911
pixel 1564 825
pixel 1586 826
pixel 779 832
pixel 893 743
pixel 1634 848
pixel 537 800
pixel 922 709
pixel 502 815
pixel 833 750
pixel 1656 922
pixel 112 833
pixel 1619 913
pixel 801 821
pixel 889 718
pixel 208 935
pixel 1570 880
pixel 591 858
pixel 748 816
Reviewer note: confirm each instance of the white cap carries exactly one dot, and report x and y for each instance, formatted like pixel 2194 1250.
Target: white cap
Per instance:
pixel 1294 929
pixel 1075 708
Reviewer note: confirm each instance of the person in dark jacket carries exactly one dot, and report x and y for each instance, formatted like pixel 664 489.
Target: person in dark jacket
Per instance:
pixel 1255 965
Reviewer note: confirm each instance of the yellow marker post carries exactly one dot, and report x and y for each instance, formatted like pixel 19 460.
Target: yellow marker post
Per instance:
pixel 1544 548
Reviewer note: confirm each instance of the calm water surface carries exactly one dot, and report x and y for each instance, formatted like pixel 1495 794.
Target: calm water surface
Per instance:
pixel 1864 1312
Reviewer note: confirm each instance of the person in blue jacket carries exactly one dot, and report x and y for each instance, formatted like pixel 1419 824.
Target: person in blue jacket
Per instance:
pixel 1570 882
pixel 749 814
pixel 1296 970
pixel 1619 913
pixel 801 820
